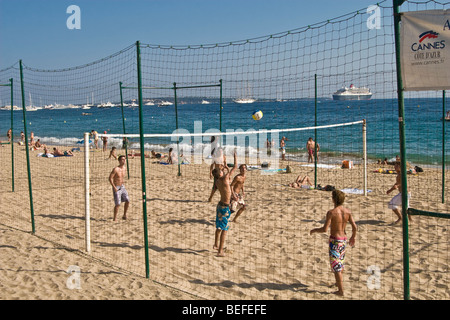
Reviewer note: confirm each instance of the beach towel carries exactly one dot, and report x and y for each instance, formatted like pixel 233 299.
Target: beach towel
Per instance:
pixel 45 155
pixel 325 166
pixel 354 191
pixel 273 170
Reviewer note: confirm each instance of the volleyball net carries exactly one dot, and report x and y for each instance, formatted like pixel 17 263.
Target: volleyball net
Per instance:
pixel 149 97
pixel 262 242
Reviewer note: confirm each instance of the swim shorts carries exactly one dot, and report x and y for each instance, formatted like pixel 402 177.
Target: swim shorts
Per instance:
pixel 223 214
pixel 396 201
pixel 337 253
pixel 121 195
pixel 237 204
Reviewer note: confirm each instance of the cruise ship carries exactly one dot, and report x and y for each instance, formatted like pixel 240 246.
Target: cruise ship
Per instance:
pixel 352 93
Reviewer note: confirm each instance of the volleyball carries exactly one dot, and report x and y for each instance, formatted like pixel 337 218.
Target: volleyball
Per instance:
pixel 257 115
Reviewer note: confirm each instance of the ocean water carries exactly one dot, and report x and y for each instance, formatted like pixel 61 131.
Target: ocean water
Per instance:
pixel 424 127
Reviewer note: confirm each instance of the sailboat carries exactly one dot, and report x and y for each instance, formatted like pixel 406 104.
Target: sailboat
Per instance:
pixel 246 98
pixel 88 105
pixel 31 107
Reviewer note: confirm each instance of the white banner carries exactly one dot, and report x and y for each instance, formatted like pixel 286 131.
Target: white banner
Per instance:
pixel 425 50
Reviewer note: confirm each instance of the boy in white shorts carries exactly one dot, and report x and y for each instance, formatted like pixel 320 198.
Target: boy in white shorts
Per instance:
pixel 396 202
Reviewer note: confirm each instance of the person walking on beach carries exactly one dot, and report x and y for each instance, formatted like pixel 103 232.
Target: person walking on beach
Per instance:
pixel 396 202
pixel 310 146
pixel 336 221
pixel 283 148
pixel 238 194
pixel 31 139
pixel 223 212
pixel 105 142
pixel 116 179
pixel 112 153
pixel 9 134
pixel 95 135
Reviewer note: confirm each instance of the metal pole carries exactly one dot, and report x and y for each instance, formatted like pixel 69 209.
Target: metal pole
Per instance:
pixel 401 122
pixel 443 146
pixel 176 125
pixel 220 106
pixel 315 131
pixel 87 208
pixel 365 156
pixel 30 189
pixel 141 134
pixel 124 132
pixel 12 133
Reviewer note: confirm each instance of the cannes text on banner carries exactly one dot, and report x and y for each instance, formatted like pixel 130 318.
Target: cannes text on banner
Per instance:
pixel 425 50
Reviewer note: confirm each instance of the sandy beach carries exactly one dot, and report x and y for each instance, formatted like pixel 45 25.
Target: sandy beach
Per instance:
pixel 270 254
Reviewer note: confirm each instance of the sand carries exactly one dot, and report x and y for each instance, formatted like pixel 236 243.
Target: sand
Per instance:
pixel 270 252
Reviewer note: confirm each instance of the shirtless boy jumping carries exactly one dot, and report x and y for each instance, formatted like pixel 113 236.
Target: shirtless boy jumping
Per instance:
pixel 116 179
pixel 223 212
pixel 336 220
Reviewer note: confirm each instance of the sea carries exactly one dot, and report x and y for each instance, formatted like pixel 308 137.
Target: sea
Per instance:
pixel 426 133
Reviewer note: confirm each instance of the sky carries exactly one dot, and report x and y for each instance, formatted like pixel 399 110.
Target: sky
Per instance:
pixel 36 31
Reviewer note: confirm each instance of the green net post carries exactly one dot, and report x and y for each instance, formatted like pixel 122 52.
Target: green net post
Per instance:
pixel 220 106
pixel 12 133
pixel 141 136
pixel 315 131
pixel 30 189
pixel 123 126
pixel 443 146
pixel 401 121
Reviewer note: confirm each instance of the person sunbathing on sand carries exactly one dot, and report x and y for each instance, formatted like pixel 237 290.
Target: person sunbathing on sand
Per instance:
pixel 157 155
pixel 58 153
pixel 300 182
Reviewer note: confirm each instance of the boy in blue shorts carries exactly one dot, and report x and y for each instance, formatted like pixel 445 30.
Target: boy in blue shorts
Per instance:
pixel 223 212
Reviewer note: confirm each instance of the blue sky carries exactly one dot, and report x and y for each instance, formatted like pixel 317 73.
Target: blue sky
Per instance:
pixel 36 31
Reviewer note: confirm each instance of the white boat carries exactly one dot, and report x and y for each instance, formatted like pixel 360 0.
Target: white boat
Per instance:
pixel 106 105
pixel 165 104
pixel 150 103
pixel 352 93
pixel 246 95
pixel 88 105
pixel 31 107
pixel 245 100
pixel 205 102
pixel 9 108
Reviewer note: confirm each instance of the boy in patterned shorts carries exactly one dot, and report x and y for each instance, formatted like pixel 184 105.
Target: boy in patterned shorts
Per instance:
pixel 336 220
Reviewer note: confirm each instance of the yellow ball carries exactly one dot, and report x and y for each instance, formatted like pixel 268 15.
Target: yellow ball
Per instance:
pixel 257 115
